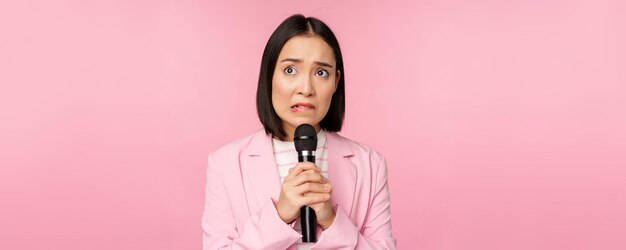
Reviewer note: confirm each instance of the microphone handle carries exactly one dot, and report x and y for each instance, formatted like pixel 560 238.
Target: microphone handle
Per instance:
pixel 308 219
pixel 308 223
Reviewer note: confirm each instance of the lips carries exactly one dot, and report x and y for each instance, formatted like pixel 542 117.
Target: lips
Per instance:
pixel 302 106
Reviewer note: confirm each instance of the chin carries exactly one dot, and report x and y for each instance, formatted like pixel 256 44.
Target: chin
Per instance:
pixel 299 121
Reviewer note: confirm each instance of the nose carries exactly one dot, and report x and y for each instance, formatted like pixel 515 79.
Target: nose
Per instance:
pixel 306 87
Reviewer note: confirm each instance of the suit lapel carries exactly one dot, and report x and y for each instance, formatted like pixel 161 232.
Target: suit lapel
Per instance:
pixel 262 181
pixel 342 172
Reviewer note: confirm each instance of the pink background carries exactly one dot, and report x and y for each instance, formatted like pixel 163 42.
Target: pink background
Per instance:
pixel 503 122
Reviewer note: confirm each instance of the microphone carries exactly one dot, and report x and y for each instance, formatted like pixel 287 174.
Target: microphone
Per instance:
pixel 305 140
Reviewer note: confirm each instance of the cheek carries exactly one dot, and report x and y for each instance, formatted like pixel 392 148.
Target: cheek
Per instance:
pixel 328 95
pixel 280 93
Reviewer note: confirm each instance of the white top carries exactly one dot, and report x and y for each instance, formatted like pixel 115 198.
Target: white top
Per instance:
pixel 286 157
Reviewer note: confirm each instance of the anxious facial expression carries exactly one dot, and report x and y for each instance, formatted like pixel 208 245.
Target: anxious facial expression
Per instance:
pixel 304 81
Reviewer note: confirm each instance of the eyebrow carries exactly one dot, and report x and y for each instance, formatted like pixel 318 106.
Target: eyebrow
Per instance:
pixel 300 60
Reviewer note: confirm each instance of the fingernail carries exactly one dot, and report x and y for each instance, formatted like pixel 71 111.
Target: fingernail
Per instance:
pixel 326 187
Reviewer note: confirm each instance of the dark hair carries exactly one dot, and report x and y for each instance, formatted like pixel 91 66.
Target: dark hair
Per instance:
pixel 293 26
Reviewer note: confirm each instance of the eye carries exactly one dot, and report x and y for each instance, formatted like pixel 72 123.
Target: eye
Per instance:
pixel 322 73
pixel 290 70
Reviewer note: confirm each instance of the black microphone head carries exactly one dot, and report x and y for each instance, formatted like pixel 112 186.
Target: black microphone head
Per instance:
pixel 305 138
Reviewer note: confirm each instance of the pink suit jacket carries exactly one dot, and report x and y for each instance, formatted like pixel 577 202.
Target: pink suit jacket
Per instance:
pixel 243 185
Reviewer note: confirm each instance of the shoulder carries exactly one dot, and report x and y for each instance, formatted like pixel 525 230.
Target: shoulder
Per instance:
pixel 369 162
pixel 358 149
pixel 238 145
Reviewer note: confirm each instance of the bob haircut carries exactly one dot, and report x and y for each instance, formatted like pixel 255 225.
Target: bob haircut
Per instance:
pixel 293 26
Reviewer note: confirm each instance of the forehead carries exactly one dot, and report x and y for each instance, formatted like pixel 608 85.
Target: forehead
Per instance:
pixel 307 48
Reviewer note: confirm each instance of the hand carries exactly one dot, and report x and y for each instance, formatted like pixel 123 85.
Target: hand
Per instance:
pixel 304 178
pixel 323 210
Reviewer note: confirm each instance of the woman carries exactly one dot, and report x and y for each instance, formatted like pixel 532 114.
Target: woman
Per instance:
pixel 255 186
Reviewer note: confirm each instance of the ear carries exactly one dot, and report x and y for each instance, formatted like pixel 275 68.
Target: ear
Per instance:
pixel 337 80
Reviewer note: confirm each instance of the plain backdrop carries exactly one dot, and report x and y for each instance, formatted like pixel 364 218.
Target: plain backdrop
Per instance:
pixel 503 122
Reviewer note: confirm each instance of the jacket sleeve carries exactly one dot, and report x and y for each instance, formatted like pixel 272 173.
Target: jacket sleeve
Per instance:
pixel 376 232
pixel 262 230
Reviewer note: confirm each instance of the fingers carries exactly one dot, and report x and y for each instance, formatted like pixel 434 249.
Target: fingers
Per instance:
pixel 301 167
pixel 325 180
pixel 305 185
pixel 312 198
pixel 315 177
pixel 311 187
